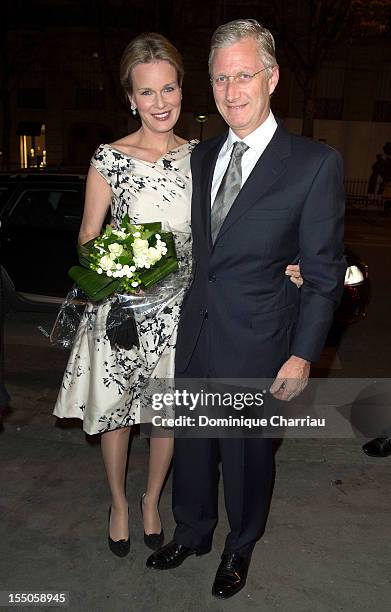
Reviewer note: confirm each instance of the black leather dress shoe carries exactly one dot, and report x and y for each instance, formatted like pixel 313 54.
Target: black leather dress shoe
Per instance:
pixel 379 447
pixel 171 555
pixel 231 575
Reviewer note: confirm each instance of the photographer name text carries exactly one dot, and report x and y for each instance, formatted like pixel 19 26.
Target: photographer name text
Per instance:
pixel 240 421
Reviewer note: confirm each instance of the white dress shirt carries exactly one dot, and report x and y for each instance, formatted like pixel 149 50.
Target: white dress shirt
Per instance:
pixel 257 142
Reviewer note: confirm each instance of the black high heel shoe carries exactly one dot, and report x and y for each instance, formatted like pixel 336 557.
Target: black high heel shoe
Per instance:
pixel 152 540
pixel 118 547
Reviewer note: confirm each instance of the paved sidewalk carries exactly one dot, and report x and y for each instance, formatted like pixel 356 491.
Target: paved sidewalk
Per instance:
pixel 326 547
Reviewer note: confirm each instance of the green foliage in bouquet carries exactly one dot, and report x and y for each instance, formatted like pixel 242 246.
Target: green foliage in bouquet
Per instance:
pixel 124 260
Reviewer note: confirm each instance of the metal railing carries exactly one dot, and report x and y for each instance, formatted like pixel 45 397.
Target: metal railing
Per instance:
pixel 357 194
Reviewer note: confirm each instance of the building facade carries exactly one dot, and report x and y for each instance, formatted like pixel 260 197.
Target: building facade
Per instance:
pixel 63 95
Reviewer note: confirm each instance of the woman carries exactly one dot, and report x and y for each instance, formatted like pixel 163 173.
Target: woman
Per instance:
pixel 147 175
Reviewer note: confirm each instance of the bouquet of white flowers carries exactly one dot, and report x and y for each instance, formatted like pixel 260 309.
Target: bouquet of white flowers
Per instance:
pixel 124 260
pixel 135 271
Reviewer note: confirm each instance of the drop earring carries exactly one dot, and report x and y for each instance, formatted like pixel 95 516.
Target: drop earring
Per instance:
pixel 134 111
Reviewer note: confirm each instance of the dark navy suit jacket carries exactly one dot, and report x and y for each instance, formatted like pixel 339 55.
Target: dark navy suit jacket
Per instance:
pixel 291 207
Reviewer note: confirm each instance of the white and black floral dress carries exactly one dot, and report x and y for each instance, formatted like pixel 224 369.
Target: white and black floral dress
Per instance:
pixel 101 385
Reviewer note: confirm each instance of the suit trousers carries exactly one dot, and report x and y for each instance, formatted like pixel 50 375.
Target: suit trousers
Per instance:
pixel 247 470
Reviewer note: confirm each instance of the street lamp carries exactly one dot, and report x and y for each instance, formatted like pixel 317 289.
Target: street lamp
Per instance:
pixel 201 118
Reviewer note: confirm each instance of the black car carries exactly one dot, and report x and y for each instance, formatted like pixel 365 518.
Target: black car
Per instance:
pixel 40 215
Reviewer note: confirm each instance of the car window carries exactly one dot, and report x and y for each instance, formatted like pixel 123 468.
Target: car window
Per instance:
pixel 4 191
pixel 47 209
pixel 70 206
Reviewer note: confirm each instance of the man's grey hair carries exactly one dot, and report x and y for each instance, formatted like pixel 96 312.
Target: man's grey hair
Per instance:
pixel 235 31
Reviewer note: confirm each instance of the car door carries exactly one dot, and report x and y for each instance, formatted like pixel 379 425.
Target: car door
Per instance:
pixel 39 237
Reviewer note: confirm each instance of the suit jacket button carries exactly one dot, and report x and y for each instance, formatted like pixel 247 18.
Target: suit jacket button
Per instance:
pixel 212 278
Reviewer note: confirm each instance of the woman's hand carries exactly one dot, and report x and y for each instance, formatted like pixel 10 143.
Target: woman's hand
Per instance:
pixel 293 271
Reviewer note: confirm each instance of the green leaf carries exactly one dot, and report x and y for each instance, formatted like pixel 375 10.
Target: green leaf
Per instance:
pixel 158 272
pixel 150 229
pixel 84 251
pixel 96 286
pixel 124 259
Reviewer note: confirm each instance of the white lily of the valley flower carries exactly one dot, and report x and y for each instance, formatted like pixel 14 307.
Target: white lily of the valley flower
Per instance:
pixel 127 271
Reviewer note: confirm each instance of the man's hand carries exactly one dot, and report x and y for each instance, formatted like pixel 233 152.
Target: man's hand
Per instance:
pixel 292 379
pixel 293 271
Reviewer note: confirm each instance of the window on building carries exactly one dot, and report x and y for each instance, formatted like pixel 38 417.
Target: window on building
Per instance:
pixel 382 102
pixel 31 97
pixel 90 97
pixel 90 90
pixel 32 145
pixel 330 91
pixel 382 111
pixel 329 108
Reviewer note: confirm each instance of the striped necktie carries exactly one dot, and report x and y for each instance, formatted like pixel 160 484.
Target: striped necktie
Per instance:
pixel 228 190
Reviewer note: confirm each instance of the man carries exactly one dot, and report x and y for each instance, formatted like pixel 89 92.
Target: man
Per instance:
pixel 261 199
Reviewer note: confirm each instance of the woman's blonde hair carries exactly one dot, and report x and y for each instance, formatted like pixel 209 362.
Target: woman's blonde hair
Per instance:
pixel 144 49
